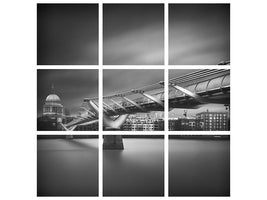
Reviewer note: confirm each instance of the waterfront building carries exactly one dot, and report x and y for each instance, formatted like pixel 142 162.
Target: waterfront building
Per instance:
pixel 141 123
pixel 213 121
pixel 183 124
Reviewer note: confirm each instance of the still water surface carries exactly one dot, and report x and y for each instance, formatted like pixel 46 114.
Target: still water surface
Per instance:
pixel 199 167
pixel 67 167
pixel 138 170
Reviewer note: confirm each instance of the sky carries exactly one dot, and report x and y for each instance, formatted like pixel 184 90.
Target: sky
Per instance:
pixel 72 86
pixel 173 73
pixel 174 113
pixel 199 34
pixel 67 34
pixel 119 80
pixel 133 34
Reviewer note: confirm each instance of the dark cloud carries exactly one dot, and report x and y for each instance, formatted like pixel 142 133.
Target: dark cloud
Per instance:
pixel 133 34
pixel 122 80
pixel 67 34
pixel 72 86
pixel 199 33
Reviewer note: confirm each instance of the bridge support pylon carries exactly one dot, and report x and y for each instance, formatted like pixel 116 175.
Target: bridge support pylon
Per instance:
pixel 112 124
pixel 113 142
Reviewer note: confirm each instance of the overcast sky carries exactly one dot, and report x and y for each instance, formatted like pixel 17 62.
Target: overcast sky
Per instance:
pixel 199 33
pixel 72 86
pixel 173 73
pixel 133 34
pixel 174 113
pixel 117 80
pixel 67 34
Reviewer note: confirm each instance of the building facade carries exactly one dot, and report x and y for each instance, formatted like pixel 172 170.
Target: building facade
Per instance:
pixel 213 121
pixel 53 108
pixel 204 121
pixel 183 124
pixel 143 124
pixel 52 115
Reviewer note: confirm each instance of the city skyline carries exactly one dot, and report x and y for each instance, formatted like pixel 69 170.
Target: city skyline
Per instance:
pixel 179 112
pixel 117 106
pixel 72 86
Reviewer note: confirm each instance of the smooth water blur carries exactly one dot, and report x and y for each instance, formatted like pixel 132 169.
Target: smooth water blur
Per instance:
pixel 138 170
pixel 67 167
pixel 199 167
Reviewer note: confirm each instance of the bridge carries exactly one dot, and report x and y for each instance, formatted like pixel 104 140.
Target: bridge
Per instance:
pixel 201 87
pixel 89 117
pixel 191 90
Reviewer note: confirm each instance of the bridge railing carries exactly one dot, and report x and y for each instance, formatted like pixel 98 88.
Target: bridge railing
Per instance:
pixel 199 82
pixel 140 100
pixel 207 85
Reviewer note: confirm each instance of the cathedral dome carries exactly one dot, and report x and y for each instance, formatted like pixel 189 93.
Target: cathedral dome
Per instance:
pixel 52 106
pixel 52 98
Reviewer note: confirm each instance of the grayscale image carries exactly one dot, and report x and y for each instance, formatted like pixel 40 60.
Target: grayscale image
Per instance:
pixel 199 34
pixel 67 34
pixel 67 165
pixel 67 100
pixel 199 100
pixel 133 165
pixel 133 34
pixel 133 100
pixel 199 165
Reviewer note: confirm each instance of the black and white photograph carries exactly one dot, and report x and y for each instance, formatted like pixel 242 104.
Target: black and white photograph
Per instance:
pixel 133 100
pixel 67 100
pixel 199 165
pixel 199 34
pixel 133 165
pixel 67 165
pixel 133 34
pixel 199 100
pixel 67 34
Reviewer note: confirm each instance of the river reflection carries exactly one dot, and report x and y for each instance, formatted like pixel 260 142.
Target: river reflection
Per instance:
pixel 67 167
pixel 138 170
pixel 199 167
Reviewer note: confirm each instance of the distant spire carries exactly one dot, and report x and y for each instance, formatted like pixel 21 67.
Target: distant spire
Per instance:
pixel 52 89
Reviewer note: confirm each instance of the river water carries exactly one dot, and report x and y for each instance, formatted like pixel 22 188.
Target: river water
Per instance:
pixel 138 170
pixel 67 167
pixel 199 167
